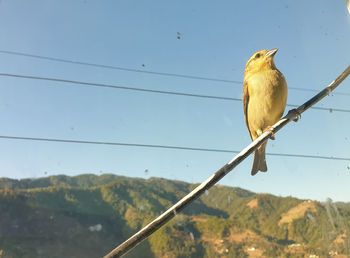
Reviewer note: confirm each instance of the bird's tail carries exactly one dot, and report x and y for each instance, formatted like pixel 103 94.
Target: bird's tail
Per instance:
pixel 259 162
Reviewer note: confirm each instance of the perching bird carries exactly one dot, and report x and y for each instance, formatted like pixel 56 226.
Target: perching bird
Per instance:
pixel 264 99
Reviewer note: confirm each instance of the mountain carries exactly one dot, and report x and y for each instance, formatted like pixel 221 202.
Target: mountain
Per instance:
pixel 88 215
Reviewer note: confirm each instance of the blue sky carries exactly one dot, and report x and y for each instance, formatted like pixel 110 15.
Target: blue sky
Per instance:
pixel 216 40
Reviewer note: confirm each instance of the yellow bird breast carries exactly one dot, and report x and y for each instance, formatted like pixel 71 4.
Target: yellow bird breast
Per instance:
pixel 267 100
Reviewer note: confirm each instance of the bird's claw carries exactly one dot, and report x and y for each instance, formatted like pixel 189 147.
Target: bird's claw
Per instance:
pixel 294 112
pixel 272 136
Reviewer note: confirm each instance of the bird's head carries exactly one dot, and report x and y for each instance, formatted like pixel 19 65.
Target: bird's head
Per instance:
pixel 261 60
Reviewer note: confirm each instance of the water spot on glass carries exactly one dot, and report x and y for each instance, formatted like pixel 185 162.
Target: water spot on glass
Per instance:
pixel 178 35
pixel 227 120
pixel 191 235
pixel 146 171
pixel 329 206
pixel 97 227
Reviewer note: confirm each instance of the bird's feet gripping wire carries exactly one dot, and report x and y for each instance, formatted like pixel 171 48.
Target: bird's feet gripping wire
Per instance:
pixel 294 113
pixel 270 129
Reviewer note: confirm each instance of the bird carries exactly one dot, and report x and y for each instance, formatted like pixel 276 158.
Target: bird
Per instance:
pixel 264 100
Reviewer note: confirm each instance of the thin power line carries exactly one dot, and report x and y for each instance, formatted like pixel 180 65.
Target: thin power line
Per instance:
pixel 117 67
pixel 148 90
pixel 55 59
pixel 116 86
pixel 163 147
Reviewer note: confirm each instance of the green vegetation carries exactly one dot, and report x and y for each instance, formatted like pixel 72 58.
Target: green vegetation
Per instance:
pixel 88 215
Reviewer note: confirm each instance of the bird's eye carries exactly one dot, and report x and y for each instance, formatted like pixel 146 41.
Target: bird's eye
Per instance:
pixel 257 55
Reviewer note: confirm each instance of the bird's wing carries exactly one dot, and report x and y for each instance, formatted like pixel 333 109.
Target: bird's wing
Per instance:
pixel 245 105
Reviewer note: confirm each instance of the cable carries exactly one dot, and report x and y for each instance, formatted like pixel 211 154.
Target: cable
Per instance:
pixel 116 86
pixel 163 147
pixel 142 71
pixel 148 90
pixel 118 67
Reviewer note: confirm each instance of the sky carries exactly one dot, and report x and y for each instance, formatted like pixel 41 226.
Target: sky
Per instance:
pixel 157 39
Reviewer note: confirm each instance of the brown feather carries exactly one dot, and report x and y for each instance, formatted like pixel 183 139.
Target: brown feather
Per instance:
pixel 259 162
pixel 245 105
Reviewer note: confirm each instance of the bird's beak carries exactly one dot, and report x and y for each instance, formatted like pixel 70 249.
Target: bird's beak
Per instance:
pixel 271 52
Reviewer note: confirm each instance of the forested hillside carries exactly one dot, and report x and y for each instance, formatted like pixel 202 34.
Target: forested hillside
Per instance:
pixel 88 215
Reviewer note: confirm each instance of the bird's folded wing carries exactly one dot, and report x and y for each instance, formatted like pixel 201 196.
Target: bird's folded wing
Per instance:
pixel 245 105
